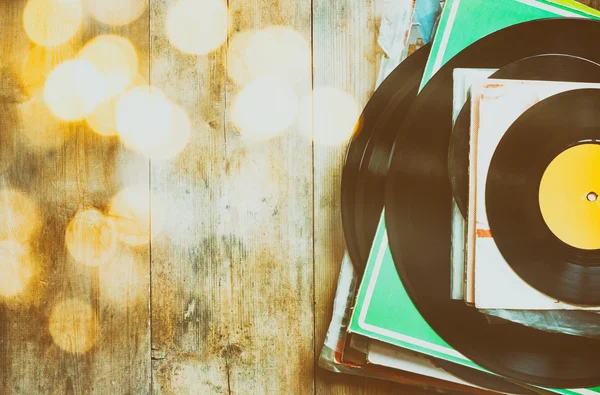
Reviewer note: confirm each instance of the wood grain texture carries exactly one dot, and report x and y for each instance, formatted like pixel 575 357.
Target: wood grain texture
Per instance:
pixel 191 280
pixel 232 283
pixel 73 169
pixel 592 3
pixel 346 57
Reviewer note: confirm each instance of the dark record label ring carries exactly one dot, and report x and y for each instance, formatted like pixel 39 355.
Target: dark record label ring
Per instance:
pixel 533 250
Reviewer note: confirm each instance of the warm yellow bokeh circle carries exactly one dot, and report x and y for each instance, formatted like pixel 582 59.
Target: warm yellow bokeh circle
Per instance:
pixel 328 116
pixel 115 58
pixel 197 26
pixel 264 108
pixel 73 325
pixel 130 212
pixel 150 124
pixel 116 12
pixel 19 216
pixel 16 268
pixel 52 22
pixel 74 89
pixel 91 238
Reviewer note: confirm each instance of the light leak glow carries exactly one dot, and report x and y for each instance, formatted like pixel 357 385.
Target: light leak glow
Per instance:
pixel 90 238
pixel 73 325
pixel 197 26
pixel 16 268
pixel 116 12
pixel 19 216
pixel 74 89
pixel 264 109
pixel 39 126
pixel 115 58
pixel 103 120
pixel 130 213
pixel 335 116
pixel 120 279
pixel 150 124
pixel 52 22
pixel 39 62
pixel 277 51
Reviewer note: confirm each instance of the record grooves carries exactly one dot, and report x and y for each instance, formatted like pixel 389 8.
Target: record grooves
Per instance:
pixel 528 245
pixel 553 67
pixel 370 182
pixel 418 213
pixel 393 97
pixel 363 181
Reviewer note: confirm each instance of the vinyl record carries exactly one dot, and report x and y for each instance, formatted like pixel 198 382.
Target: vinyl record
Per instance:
pixel 418 214
pixel 394 96
pixel 370 184
pixel 542 196
pixel 553 67
pixel 364 174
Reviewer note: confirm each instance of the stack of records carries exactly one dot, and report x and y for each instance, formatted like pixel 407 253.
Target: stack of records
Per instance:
pixel 471 208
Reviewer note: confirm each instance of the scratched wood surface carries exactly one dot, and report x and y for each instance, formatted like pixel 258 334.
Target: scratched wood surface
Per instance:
pixel 335 36
pixel 75 329
pixel 230 285
pixel 233 309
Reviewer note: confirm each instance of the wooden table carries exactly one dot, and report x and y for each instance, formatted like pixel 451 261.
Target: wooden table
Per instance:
pixel 231 291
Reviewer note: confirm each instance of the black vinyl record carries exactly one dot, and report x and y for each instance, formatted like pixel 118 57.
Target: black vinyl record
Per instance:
pixel 363 182
pixel 393 97
pixel 418 213
pixel 528 245
pixel 554 67
pixel 370 183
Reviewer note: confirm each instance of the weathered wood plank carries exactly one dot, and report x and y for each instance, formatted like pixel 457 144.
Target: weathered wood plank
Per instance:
pixel 191 282
pixel 74 328
pixel 232 289
pixel 232 276
pixel 270 184
pixel 346 57
pixel 592 3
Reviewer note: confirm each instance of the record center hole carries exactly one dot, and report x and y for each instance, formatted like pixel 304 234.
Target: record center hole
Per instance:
pixel 592 197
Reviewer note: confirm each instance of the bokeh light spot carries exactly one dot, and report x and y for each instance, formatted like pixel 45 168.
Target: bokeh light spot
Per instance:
pixel 73 325
pixel 173 140
pixel 90 238
pixel 103 120
pixel 238 58
pixel 39 126
pixel 335 116
pixel 52 22
pixel 120 279
pixel 197 26
pixel 150 124
pixel 264 108
pixel 130 213
pixel 16 268
pixel 277 51
pixel 115 58
pixel 19 216
pixel 74 89
pixel 116 12
pixel 141 114
pixel 39 63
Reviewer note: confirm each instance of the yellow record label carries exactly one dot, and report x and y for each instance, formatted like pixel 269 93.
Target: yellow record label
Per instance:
pixel 569 196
